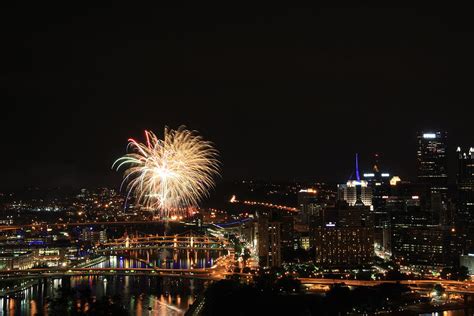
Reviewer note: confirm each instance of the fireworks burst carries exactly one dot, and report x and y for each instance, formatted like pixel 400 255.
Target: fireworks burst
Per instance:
pixel 172 174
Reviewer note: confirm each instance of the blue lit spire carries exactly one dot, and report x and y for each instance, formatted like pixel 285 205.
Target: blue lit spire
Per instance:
pixel 357 168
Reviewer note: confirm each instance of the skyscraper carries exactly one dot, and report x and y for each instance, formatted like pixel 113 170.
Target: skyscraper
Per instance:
pixel 433 173
pixel 379 181
pixel 432 161
pixel 465 196
pixel 356 192
pixel 308 204
pixel 268 241
pixel 415 240
pixel 465 183
pixel 376 176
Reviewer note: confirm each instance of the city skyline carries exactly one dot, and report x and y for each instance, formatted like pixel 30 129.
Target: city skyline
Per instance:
pixel 237 160
pixel 343 170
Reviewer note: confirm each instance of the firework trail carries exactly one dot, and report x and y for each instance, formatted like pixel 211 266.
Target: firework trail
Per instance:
pixel 172 174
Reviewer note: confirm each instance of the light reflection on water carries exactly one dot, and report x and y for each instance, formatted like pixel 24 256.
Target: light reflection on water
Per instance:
pixel 141 295
pixel 458 312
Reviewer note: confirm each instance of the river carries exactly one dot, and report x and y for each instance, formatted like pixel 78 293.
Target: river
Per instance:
pixel 138 295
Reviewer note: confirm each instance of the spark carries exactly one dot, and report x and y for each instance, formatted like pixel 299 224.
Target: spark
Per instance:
pixel 172 174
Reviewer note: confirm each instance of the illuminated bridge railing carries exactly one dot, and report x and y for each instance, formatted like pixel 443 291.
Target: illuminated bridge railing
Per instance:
pixel 166 242
pixel 47 273
pixel 216 272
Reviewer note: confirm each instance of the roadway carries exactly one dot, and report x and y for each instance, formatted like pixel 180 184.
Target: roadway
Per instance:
pixel 217 272
pixel 450 286
pixel 16 227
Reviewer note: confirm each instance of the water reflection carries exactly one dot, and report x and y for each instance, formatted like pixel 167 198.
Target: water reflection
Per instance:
pixel 457 312
pixel 138 295
pixel 181 259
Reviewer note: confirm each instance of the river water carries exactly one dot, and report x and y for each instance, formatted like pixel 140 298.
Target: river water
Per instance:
pixel 457 312
pixel 137 295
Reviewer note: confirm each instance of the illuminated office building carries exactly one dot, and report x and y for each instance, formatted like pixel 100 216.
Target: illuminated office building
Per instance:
pixel 268 241
pixel 308 204
pixel 465 197
pixel 432 161
pixel 357 191
pixel 418 241
pixel 465 183
pixel 379 182
pixel 468 262
pixel 432 165
pixel 343 236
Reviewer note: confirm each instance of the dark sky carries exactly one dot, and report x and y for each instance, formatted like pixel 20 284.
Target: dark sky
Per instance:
pixel 283 93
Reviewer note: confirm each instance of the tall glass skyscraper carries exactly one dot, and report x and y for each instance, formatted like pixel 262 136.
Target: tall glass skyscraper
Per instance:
pixel 432 161
pixel 465 184
pixel 433 173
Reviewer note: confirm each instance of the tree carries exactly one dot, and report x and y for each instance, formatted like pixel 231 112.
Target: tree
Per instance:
pixel 264 281
pixel 455 273
pixel 363 275
pixel 220 295
pixel 295 255
pixel 246 255
pixel 463 273
pixel 339 299
pixel 439 289
pixel 288 285
pixel 395 274
pixel 393 292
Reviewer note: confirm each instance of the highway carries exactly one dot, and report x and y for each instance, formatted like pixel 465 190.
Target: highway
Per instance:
pixel 16 227
pixel 450 286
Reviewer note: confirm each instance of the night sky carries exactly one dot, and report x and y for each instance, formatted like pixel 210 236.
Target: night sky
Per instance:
pixel 283 93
